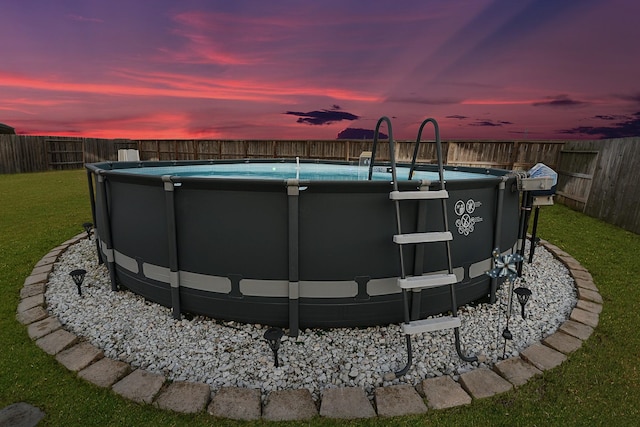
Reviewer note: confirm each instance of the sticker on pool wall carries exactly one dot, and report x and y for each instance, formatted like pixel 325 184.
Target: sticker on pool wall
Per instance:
pixel 466 223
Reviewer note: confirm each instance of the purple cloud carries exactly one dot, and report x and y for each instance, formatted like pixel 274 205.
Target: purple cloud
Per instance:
pixel 322 117
pixel 357 133
pixel 624 129
pixel 559 101
pixel 490 123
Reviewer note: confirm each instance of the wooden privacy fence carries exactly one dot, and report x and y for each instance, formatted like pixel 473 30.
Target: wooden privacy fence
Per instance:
pixel 490 154
pixel 20 153
pixel 600 178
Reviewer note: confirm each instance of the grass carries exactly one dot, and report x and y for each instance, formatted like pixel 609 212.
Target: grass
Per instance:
pixel 598 385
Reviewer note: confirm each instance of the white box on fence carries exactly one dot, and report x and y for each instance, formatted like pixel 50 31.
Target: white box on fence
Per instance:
pixel 128 155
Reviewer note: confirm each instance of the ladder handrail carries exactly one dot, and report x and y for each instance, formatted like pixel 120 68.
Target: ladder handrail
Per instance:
pixel 392 150
pixel 438 150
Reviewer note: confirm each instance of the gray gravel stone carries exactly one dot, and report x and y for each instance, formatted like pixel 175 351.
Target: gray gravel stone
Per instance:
pixel 224 354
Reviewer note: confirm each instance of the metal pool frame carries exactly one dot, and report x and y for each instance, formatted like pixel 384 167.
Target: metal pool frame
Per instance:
pixel 291 253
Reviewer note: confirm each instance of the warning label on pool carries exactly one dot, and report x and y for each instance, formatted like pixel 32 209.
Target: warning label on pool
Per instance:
pixel 466 223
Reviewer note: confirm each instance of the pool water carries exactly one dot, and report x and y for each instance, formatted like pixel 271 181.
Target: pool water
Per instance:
pixel 303 171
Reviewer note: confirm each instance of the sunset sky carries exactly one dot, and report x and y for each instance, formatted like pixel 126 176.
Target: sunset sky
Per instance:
pixel 485 69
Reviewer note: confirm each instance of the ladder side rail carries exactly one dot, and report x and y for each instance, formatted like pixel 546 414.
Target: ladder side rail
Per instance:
pixel 392 151
pixel 373 152
pixel 438 150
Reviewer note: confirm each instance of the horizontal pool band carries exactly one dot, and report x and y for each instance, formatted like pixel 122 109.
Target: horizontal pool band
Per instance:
pixel 280 288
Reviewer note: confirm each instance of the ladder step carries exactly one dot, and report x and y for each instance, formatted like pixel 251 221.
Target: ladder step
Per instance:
pixel 438 236
pixel 427 281
pixel 419 195
pixel 430 325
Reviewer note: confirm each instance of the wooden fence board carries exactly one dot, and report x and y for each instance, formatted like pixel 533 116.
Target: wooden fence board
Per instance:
pixel 575 176
pixel 600 177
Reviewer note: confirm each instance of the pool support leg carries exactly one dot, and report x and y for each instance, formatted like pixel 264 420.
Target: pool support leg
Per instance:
pixel 172 243
pixel 293 191
pixel 527 201
pixel 534 232
pixel 92 199
pixel 105 235
pixel 497 235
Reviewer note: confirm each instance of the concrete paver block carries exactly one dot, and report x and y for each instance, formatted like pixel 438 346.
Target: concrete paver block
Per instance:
pixel 42 269
pixel 185 397
pixel 105 372
pixel 56 341
pixel 20 414
pixel 43 327
pixel 483 382
pixel 583 316
pixel 550 247
pixel 443 392
pixel 589 295
pixel 31 302
pixel 75 239
pixel 140 386
pixel 584 275
pixel 236 403
pixel 576 329
pixel 589 306
pixel 79 356
pixel 32 315
pixel 585 284
pixel 36 278
pixel 33 289
pixel 562 342
pixel 542 357
pixel 573 265
pixel 398 400
pixel 289 405
pixel 559 252
pixel 516 370
pixel 47 260
pixel 56 252
pixel 346 403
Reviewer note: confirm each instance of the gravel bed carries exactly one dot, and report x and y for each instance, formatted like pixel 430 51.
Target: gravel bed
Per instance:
pixel 221 353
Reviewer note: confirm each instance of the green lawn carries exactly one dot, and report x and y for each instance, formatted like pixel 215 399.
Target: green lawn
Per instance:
pixel 598 385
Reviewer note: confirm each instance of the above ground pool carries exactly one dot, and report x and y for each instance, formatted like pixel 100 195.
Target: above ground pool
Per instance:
pixel 293 244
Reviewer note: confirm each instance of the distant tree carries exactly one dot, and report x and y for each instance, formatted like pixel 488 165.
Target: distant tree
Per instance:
pixel 6 129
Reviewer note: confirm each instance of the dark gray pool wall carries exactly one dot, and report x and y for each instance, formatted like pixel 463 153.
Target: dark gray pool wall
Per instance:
pixel 291 253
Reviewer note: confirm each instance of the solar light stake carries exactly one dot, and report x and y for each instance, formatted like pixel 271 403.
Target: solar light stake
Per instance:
pixel 505 266
pixel 87 227
pixel 78 278
pixel 523 295
pixel 273 335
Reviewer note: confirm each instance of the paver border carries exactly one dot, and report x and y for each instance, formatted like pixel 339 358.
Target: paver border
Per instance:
pixel 32 309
